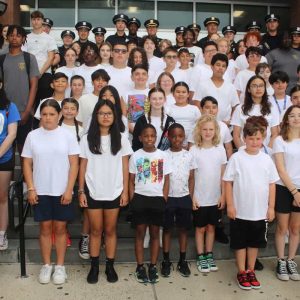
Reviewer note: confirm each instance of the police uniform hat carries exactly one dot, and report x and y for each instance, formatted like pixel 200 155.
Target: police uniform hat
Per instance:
pixel 271 17
pixel 120 17
pixel 228 28
pixel 48 22
pixel 295 30
pixel 83 24
pixel 134 21
pixel 99 30
pixel 253 25
pixel 211 20
pixel 179 29
pixel 151 23
pixel 67 32
pixel 194 26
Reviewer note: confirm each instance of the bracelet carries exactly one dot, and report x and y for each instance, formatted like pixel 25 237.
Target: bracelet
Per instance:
pixel 81 192
pixel 31 189
pixel 293 189
pixel 295 193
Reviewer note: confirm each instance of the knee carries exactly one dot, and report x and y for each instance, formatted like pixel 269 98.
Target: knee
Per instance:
pixel 46 230
pixel 60 230
pixel 110 231
pixel 294 229
pixel 281 229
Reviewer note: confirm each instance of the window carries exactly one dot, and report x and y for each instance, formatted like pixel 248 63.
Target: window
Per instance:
pixel 26 8
pixel 62 13
pixel 243 14
pixel 284 13
pixel 173 14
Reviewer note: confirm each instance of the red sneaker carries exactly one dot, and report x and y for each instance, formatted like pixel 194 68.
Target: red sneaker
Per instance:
pixel 243 281
pixel 69 242
pixel 255 284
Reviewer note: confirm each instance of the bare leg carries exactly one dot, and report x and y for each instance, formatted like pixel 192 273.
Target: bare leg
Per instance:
pixel 281 230
pixel 60 230
pixel 240 256
pixel 5 177
pixel 251 258
pixel 210 237
pixel 96 224
pixel 154 243
pixel 166 240
pixel 199 237
pixel 294 229
pixel 139 243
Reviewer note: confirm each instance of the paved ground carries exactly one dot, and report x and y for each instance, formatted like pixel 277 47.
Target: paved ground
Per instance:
pixel 217 285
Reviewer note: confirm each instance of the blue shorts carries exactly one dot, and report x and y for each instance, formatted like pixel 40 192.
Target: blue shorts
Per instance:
pixel 50 208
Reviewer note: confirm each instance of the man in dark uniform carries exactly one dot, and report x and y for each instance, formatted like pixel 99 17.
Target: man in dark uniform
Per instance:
pixel 196 28
pixel 151 26
pixel 229 33
pixel 120 21
pixel 179 37
pixel 47 25
pixel 253 26
pixel 272 39
pixel 211 25
pixel 133 26
pixel 83 28
pixel 67 37
pixel 99 33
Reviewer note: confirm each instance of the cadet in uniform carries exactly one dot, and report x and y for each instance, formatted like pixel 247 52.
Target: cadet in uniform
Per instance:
pixel 211 25
pixel 120 21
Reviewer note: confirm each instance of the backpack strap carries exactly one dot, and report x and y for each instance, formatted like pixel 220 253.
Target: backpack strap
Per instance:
pixel 2 58
pixel 27 62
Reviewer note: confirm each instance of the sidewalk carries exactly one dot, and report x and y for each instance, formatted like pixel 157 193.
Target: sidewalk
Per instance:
pixel 217 285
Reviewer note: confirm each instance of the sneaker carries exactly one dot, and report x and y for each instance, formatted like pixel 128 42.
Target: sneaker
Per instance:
pixel 111 274
pixel 69 242
pixel 220 236
pixel 292 270
pixel 202 264
pixel 93 275
pixel 211 262
pixel 59 276
pixel 281 270
pixel 183 268
pixel 45 274
pixel 165 269
pixel 255 284
pixel 258 265
pixel 153 274
pixel 243 281
pixel 141 275
pixel 3 241
pixel 84 252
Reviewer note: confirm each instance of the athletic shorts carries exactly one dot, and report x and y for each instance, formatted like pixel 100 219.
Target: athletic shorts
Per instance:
pixel 206 215
pixel 245 233
pixel 284 200
pixel 8 165
pixel 101 204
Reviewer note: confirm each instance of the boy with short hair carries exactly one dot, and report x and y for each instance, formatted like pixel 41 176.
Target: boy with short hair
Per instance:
pixel 250 178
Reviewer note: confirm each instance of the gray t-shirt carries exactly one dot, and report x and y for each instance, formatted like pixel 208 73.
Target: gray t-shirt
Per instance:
pixel 16 82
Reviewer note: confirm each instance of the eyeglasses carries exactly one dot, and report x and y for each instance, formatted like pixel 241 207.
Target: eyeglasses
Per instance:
pixel 103 114
pixel 257 86
pixel 123 51
pixel 171 56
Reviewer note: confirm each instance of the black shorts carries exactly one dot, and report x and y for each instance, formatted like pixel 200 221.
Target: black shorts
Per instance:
pixel 101 204
pixel 50 208
pixel 284 200
pixel 245 233
pixel 205 215
pixel 8 165
pixel 178 212
pixel 147 210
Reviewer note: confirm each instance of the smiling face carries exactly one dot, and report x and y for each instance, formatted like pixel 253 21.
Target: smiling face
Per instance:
pixel 89 56
pixel 105 53
pixel 207 132
pixel 69 111
pixel 294 118
pixel 70 56
pixel 157 100
pixel 83 33
pixel 181 95
pixel 148 139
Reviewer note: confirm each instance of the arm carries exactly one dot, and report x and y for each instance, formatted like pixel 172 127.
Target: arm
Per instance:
pixel 48 62
pixel 237 136
pixel 124 195
pixel 66 198
pixel 221 202
pixel 229 199
pixel 131 185
pixel 271 212
pixel 166 187
pixel 28 176
pixel 196 103
pixel 274 134
pixel 192 183
pixel 81 182
pixel 8 141
pixel 229 149
pixel 56 59
pixel 123 107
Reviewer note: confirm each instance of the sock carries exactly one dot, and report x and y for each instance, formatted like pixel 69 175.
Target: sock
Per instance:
pixel 110 261
pixel 139 266
pixel 182 256
pixel 166 255
pixel 152 265
pixel 95 261
pixel 2 233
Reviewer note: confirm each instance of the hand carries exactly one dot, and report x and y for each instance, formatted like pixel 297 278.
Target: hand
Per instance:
pixel 83 200
pixel 195 204
pixel 296 201
pixel 221 203
pixel 165 198
pixel 231 212
pixel 66 198
pixel 124 199
pixel 24 117
pixel 32 197
pixel 270 214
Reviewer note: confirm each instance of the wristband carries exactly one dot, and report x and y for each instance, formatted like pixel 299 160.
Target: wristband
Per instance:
pixel 293 189
pixel 295 193
pixel 31 189
pixel 81 192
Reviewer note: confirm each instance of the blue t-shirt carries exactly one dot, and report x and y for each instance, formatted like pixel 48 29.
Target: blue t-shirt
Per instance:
pixel 7 116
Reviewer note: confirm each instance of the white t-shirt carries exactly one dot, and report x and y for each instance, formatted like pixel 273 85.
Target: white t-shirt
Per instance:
pixel 37 114
pixel 72 129
pixel 270 91
pixel 226 96
pixel 242 63
pixel 187 116
pixel 251 176
pixel 182 163
pixel 104 172
pixel 50 150
pixel 170 100
pixel 239 119
pixel 70 72
pixel 200 73
pixel 180 75
pixel 40 45
pixel 281 105
pixel 209 162
pixel 156 65
pixel 241 81
pixel 86 107
pixel 86 72
pixel 230 72
pixel 291 155
pixel 150 169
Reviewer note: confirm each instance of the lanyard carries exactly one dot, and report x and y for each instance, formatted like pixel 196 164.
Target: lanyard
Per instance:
pixel 284 103
pixel 265 149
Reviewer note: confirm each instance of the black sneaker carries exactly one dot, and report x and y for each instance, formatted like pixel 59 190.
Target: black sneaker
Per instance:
pixel 281 270
pixel 141 275
pixel 258 265
pixel 220 236
pixel 153 274
pixel 84 247
pixel 111 274
pixel 183 268
pixel 165 269
pixel 92 277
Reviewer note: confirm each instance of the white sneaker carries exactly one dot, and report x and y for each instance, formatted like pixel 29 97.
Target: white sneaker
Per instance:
pixel 45 274
pixel 3 241
pixel 59 276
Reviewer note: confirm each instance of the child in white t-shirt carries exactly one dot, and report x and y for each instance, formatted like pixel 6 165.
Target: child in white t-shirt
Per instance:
pixel 149 187
pixel 208 199
pixel 249 179
pixel 77 86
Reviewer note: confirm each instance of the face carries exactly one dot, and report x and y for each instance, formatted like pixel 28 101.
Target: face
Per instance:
pixel 98 84
pixel 49 118
pixel 105 52
pixel 171 59
pixel 99 38
pixel 212 28
pixel 60 85
pixel 295 98
pixel 223 47
pixel 120 25
pixel 67 40
pixel 209 108
pixel 254 59
pixel 137 57
pixel 272 25
pixel 157 100
pixel 149 46
pixel 120 54
pixel 69 111
pixel 176 138
pixel 242 48
pixel 108 95
pixel 209 52
pixel 184 58
pixel 252 41
pixel 77 87
pixel 148 138
pixel 132 28
pixel 70 57
pixel 257 88
pixel 188 38
pixel 139 77
pixel 163 46
pixel 279 86
pixel 166 83
pixel 294 118
pixel 46 28
pixel 83 33
pixel 296 39
pixel 105 116
pixel 179 37
pixel 229 35
pixel 254 142
pixel 219 68
pixel 265 74
pixel 15 40
pixel 37 23
pixel 89 55
pixel 181 95
pixel 4 32
pixel 77 48
pixel 208 131
pixel 152 30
